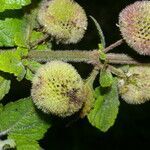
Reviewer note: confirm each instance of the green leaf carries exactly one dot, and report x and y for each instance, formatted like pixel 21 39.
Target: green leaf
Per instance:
pixel 13 4
pixel 32 67
pixel 100 32
pixel 29 74
pixel 10 61
pixel 13 32
pixel 106 78
pixel 25 143
pixel 4 87
pixel 101 52
pixel 36 36
pixel 105 108
pixel 21 119
pixel 1 108
pixel 23 123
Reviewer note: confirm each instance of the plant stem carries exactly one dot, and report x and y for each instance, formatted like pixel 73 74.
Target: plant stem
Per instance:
pixel 91 57
pixel 116 71
pixel 68 55
pixel 125 59
pixel 112 46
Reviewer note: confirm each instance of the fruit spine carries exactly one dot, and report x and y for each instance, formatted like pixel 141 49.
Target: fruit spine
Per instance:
pixel 63 19
pixel 58 89
pixel 135 89
pixel 134 23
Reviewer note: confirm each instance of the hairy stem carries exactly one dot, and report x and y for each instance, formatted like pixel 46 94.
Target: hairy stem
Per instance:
pixel 91 57
pixel 125 59
pixel 112 46
pixel 68 55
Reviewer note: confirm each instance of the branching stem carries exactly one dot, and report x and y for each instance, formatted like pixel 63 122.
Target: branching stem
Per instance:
pixel 87 56
pixel 91 57
pixel 112 46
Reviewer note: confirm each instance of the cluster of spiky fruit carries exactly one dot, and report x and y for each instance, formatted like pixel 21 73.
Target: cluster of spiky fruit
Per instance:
pixel 135 89
pixel 63 19
pixel 134 23
pixel 58 89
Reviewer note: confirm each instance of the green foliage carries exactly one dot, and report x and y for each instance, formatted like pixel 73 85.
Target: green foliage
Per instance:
pixel 13 4
pixel 13 32
pixel 37 36
pixel 31 68
pixel 10 61
pixel 22 36
pixel 106 78
pixel 1 107
pixel 4 87
pixel 105 108
pixel 25 143
pixel 19 120
pixel 23 123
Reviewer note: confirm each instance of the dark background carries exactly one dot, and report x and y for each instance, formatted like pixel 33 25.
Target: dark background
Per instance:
pixel 132 127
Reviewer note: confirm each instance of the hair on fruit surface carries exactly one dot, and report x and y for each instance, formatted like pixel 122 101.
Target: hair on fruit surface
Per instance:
pixel 65 20
pixel 58 89
pixel 136 88
pixel 134 23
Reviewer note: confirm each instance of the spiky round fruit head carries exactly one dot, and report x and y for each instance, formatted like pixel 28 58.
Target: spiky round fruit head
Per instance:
pixel 58 89
pixel 136 88
pixel 134 23
pixel 63 19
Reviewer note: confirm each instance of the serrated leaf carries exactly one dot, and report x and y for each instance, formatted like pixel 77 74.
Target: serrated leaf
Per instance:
pixel 36 36
pixel 105 109
pixel 10 61
pixel 13 4
pixel 20 119
pixel 106 78
pixel 4 87
pixel 22 52
pixel 1 108
pixel 13 32
pixel 25 143
pixel 32 67
pixel 29 75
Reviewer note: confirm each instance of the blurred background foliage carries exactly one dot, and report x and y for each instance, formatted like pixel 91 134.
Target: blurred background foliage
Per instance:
pixel 132 127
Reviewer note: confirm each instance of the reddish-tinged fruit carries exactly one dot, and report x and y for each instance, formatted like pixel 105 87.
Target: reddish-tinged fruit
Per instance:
pixel 134 23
